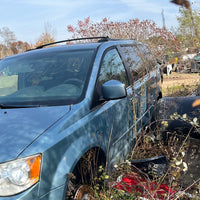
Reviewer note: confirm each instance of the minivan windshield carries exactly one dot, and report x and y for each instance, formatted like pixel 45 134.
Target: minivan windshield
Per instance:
pixel 43 78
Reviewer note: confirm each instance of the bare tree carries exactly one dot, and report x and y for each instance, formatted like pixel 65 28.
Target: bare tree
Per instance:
pixel 8 37
pixel 47 36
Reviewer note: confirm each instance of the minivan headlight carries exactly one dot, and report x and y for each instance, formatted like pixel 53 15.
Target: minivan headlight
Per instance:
pixel 19 175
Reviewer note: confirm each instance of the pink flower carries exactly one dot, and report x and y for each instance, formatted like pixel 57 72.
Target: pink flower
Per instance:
pixel 70 28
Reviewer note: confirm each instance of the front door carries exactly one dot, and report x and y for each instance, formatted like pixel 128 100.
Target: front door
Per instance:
pixel 116 111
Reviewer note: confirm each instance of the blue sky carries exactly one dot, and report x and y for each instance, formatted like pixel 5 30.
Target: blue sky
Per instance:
pixel 27 18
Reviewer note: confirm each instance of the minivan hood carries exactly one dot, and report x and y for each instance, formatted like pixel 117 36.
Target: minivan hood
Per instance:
pixel 20 127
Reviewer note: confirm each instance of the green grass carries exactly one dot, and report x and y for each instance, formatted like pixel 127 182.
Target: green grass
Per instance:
pixel 179 90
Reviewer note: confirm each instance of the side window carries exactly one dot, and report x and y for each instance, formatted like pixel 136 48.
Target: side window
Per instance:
pixel 135 60
pixel 112 68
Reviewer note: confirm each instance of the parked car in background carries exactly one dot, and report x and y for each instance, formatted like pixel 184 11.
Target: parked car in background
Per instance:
pixel 67 109
pixel 195 63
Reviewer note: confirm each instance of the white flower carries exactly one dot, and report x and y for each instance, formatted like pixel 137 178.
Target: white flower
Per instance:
pixel 128 162
pixel 178 162
pixel 185 167
pixel 183 153
pixel 184 116
pixel 195 120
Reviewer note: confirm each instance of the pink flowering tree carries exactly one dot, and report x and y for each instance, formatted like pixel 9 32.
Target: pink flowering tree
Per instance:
pixel 160 40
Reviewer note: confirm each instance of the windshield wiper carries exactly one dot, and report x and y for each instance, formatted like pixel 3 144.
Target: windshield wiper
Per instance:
pixel 10 106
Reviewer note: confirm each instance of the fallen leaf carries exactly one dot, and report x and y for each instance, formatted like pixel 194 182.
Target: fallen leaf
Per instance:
pixel 196 103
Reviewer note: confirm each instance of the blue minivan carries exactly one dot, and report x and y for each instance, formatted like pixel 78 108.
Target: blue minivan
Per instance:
pixel 66 109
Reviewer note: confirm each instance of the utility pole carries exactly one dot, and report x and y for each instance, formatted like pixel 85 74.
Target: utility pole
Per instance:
pixel 163 19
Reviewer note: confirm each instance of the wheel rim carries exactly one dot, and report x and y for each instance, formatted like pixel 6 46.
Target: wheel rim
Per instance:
pixel 83 192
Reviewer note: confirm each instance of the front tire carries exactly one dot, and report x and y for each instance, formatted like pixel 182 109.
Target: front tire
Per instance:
pixel 82 179
pixel 84 192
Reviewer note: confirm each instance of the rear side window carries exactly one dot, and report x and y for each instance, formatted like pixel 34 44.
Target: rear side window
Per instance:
pixel 138 59
pixel 135 60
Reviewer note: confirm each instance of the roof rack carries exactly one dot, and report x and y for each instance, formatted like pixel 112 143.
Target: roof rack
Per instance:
pixel 101 39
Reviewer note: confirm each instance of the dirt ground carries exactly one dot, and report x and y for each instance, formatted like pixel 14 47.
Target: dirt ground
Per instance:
pixel 181 79
pixel 181 84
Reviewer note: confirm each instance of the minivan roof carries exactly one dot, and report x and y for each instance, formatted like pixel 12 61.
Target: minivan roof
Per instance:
pixel 70 47
pixel 77 46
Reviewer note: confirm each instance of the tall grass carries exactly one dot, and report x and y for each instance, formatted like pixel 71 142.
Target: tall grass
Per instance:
pixel 178 178
pixel 182 178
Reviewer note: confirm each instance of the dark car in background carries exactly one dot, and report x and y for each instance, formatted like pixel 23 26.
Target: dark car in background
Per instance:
pixel 64 108
pixel 195 63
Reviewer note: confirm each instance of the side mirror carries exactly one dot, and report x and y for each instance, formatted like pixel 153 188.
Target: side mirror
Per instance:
pixel 113 89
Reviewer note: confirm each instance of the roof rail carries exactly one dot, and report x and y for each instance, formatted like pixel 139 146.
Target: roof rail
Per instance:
pixel 101 39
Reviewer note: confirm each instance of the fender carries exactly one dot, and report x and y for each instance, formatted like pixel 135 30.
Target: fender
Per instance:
pixel 63 147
